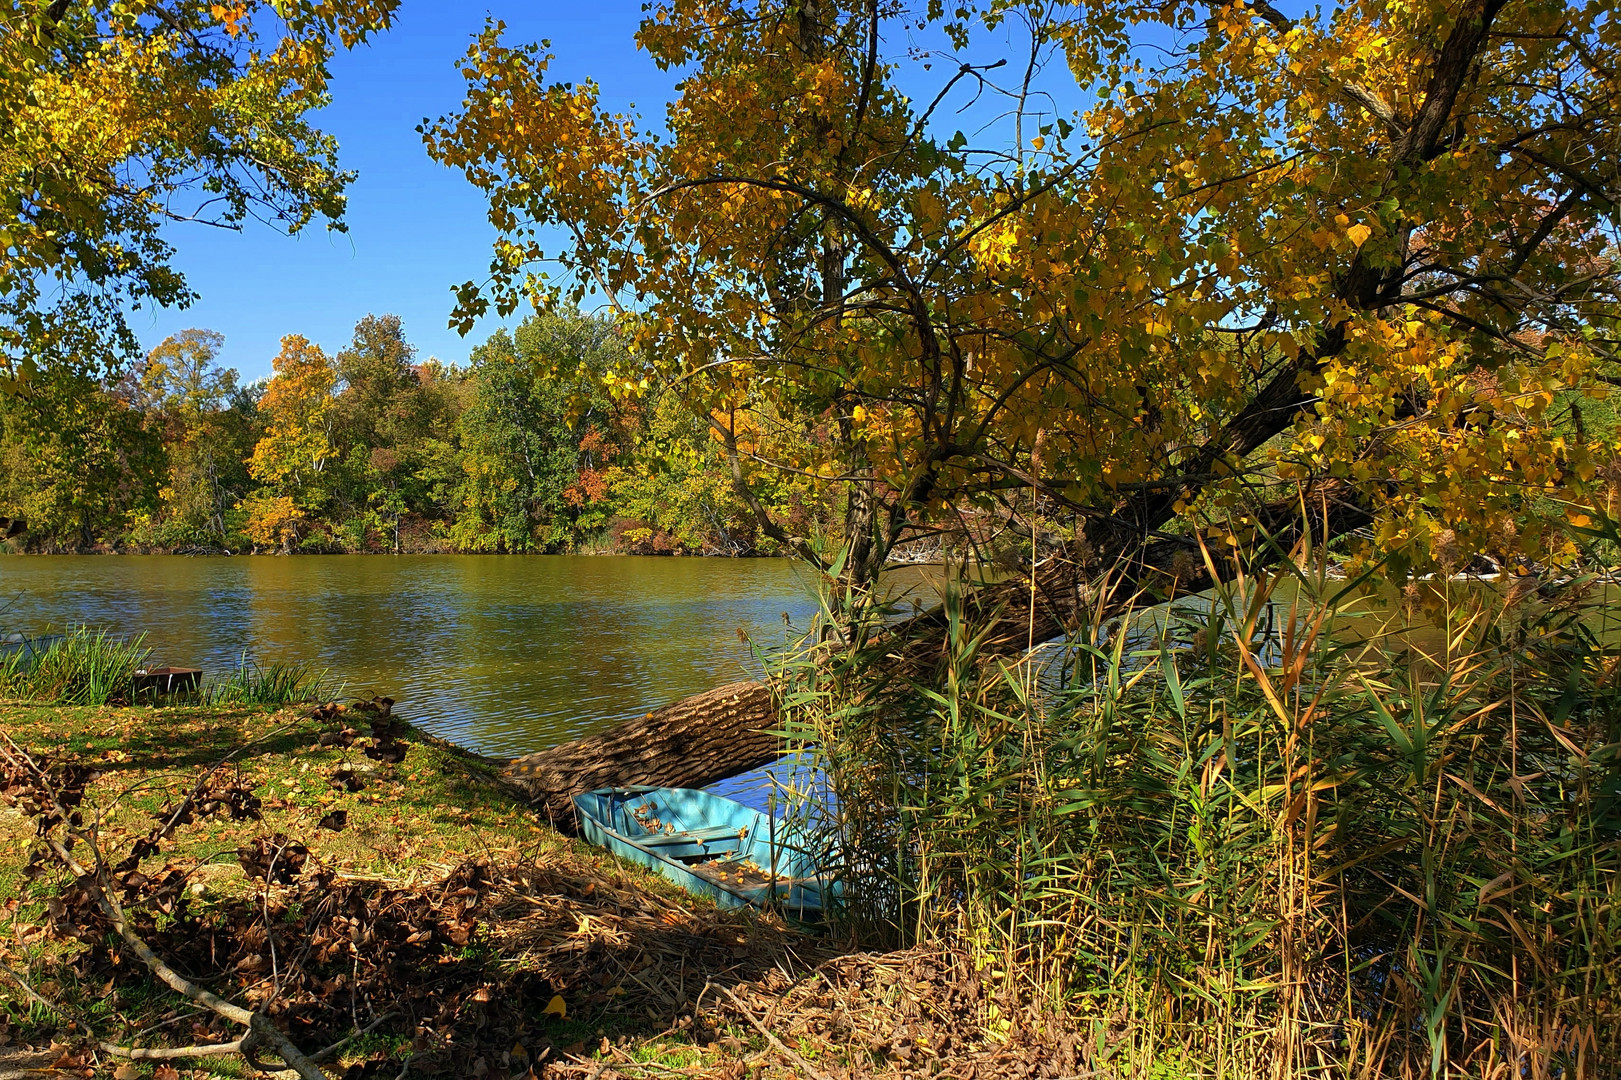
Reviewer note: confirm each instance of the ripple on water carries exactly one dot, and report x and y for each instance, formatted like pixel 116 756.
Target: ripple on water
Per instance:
pixel 502 654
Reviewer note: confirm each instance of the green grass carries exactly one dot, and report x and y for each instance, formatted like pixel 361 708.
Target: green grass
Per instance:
pixel 412 823
pixel 85 667
pixel 435 809
pixel 271 684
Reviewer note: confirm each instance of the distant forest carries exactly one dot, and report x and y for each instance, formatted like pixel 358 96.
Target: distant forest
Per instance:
pixel 374 450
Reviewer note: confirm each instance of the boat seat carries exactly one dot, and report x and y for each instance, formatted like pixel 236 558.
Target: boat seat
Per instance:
pixel 690 836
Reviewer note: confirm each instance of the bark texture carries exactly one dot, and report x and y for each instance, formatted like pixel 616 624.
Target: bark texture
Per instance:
pixel 692 743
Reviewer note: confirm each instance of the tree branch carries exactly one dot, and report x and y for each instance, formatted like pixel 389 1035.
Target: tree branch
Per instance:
pixel 261 1030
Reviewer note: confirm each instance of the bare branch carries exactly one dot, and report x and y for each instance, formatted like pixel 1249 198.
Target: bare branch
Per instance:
pixel 261 1030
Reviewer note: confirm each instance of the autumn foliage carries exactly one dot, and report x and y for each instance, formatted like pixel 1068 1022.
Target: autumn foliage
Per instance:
pixel 1190 266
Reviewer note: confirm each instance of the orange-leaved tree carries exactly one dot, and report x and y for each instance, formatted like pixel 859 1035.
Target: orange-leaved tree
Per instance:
pixel 1202 271
pixel 289 462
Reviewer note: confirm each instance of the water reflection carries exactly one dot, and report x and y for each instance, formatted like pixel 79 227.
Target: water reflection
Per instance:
pixel 502 654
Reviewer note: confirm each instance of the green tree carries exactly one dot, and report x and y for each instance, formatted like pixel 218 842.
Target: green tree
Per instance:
pixel 538 435
pixel 77 460
pixel 207 424
pixel 119 118
pixel 389 416
pixel 675 491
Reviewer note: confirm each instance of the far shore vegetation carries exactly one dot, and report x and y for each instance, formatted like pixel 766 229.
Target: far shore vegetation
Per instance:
pixel 375 449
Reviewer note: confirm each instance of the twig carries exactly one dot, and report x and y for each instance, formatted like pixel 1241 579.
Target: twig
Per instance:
pixel 322 1055
pixel 32 994
pixel 810 1070
pixel 137 1053
pixel 169 1053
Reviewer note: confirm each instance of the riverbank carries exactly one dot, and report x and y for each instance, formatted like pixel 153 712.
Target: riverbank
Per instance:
pixel 500 654
pixel 475 939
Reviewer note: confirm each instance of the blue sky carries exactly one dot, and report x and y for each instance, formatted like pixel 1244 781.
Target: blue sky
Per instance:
pixel 415 228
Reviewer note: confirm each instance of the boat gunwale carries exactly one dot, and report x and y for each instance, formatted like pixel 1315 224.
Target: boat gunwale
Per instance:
pixel 758 896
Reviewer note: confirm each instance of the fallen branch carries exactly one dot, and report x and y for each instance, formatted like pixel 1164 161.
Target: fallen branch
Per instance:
pixel 262 1031
pixel 776 1043
pixel 33 995
pixel 170 1053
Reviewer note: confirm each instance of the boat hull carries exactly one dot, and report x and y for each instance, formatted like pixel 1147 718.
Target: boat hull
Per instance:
pixel 687 835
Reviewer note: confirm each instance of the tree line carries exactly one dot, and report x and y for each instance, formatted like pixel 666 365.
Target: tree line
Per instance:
pixel 373 449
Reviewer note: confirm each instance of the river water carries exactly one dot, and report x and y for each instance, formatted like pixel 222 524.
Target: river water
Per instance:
pixel 500 654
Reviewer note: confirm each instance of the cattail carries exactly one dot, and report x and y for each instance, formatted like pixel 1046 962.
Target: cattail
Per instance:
pixel 1038 453
pixel 1521 587
pixel 1446 550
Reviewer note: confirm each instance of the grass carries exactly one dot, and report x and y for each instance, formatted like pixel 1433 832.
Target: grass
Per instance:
pixel 275 683
pixel 564 916
pixel 83 667
pixel 418 819
pixel 92 667
pixel 1332 850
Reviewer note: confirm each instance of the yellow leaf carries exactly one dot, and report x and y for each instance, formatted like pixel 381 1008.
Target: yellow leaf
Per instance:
pixel 555 1007
pixel 1359 234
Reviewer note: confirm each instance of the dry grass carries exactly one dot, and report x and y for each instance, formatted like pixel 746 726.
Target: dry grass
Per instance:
pixel 1248 840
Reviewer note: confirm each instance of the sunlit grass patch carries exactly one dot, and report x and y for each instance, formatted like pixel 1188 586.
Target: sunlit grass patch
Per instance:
pixel 559 918
pixel 274 683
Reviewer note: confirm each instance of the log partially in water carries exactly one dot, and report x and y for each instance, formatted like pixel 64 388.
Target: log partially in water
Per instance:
pixel 720 733
pixel 693 743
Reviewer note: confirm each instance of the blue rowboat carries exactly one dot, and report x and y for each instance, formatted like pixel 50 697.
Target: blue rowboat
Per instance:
pixel 708 845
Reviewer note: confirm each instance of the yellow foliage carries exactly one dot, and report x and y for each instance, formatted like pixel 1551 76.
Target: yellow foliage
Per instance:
pixel 1277 255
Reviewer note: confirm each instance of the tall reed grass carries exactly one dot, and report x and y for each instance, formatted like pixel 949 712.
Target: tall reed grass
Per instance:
pixel 1267 833
pixel 93 667
pixel 270 684
pixel 83 667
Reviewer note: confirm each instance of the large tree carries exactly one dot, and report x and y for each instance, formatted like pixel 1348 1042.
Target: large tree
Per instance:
pixel 390 416
pixel 538 434
pixel 207 423
pixel 292 460
pixel 1199 266
pixel 1376 241
pixel 120 117
pixel 77 460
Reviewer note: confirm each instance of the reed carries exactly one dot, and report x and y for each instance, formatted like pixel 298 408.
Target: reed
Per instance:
pixel 270 684
pixel 83 667
pixel 1262 833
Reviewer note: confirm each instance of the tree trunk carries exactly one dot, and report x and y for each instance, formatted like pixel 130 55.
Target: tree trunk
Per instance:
pixel 692 743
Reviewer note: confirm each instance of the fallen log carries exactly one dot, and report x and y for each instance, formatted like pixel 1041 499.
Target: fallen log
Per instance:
pixel 720 733
pixel 693 743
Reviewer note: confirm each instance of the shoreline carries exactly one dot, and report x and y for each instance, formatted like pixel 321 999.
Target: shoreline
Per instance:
pixel 225 554
pixel 427 919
